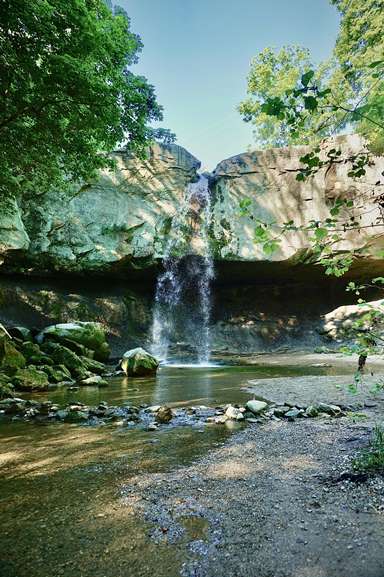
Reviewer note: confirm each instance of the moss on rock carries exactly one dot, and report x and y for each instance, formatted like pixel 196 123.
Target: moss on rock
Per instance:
pixel 6 387
pixel 86 334
pixel 57 374
pixel 30 379
pixel 10 358
pixel 139 363
pixel 63 356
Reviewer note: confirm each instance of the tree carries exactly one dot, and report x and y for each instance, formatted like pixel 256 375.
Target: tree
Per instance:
pixel 303 103
pixel 359 46
pixel 274 75
pixel 67 96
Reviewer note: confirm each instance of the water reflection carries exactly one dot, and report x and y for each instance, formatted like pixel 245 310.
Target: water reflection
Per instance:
pixel 180 386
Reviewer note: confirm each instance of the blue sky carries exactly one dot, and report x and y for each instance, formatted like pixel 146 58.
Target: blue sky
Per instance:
pixel 197 55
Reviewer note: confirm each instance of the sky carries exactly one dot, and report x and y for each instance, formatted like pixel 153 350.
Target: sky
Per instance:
pixel 197 54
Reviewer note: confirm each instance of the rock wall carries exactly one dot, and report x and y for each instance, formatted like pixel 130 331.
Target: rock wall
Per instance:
pixel 116 228
pixel 115 225
pixel 268 180
pixel 245 319
pixel 119 224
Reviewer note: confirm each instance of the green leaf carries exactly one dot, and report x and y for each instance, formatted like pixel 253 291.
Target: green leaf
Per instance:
pixel 325 92
pixel 310 103
pixel 321 233
pixel 307 77
pixel 273 106
pixel 376 63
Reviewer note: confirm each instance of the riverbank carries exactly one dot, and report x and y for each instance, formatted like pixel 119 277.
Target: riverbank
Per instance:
pixel 273 502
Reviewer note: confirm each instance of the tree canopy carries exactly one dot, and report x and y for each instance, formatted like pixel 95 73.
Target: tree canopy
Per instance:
pixel 291 101
pixel 67 96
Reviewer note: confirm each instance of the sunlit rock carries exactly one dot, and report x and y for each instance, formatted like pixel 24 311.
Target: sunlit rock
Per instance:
pixel 139 363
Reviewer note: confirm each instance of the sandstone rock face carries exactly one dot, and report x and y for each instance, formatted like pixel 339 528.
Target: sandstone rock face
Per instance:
pixel 338 324
pixel 268 179
pixel 13 236
pixel 121 220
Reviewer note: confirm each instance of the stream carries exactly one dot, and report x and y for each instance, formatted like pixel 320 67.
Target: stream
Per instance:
pixel 59 483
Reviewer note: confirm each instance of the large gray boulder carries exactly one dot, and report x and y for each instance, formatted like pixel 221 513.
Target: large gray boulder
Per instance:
pixel 139 363
pixel 338 325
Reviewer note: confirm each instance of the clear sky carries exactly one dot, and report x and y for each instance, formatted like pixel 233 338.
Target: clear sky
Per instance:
pixel 197 55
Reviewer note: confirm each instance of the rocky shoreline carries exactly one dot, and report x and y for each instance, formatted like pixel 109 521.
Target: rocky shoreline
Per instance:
pixel 151 418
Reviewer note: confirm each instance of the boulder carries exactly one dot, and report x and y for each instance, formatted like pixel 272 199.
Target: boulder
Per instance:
pixel 21 333
pixel 164 415
pixel 256 407
pixel 6 387
pixel 34 355
pixel 10 358
pixel 89 335
pixel 56 374
pixel 139 363
pixel 64 356
pixel 338 324
pixel 30 379
pixel 93 366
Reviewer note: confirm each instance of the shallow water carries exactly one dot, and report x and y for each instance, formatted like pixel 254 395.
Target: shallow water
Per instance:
pixel 183 385
pixel 60 483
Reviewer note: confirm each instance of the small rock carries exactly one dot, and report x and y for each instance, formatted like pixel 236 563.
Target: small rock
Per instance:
pixel 281 410
pixel 370 404
pixel 312 411
pixel 234 413
pixel 152 409
pixel 292 414
pixel 256 407
pixel 152 427
pixel 332 410
pixel 221 419
pixel 164 415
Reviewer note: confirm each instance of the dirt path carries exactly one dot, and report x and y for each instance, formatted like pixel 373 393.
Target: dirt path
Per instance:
pixel 264 506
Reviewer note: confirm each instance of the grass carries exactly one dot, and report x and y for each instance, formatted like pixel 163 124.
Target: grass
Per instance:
pixel 372 459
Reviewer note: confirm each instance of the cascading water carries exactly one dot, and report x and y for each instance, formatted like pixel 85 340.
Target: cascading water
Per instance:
pixel 182 307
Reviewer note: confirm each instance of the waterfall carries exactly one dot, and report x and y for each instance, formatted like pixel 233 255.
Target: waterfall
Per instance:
pixel 182 308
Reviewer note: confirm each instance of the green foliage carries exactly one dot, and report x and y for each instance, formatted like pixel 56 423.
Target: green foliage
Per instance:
pixel 372 460
pixel 272 82
pixel 291 101
pixel 67 96
pixel 163 135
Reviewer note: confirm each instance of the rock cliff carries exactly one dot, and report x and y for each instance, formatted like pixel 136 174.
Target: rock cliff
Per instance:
pixel 116 229
pixel 119 224
pixel 116 224
pixel 268 179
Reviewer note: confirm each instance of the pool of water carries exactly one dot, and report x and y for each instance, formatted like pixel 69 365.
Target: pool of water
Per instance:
pixel 182 385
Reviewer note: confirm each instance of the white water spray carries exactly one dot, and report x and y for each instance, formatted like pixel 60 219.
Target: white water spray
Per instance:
pixel 182 309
